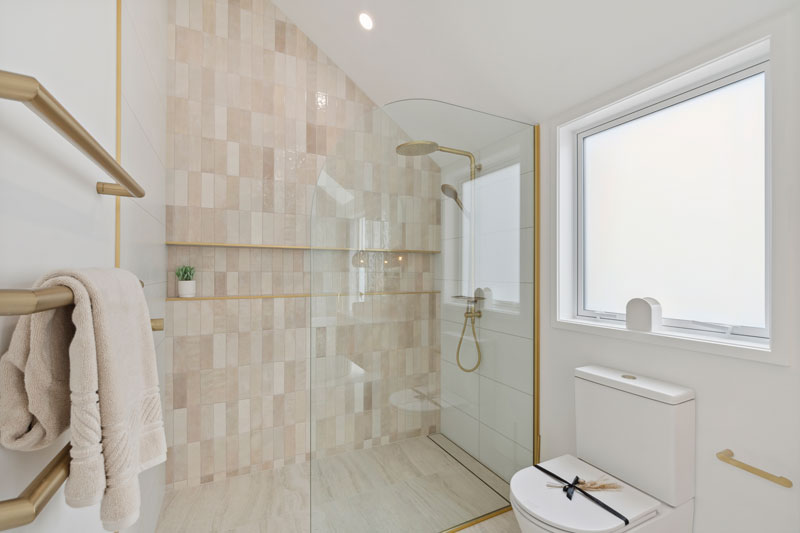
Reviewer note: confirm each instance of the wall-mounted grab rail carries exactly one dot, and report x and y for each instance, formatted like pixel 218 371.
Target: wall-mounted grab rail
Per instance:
pixel 726 456
pixel 30 92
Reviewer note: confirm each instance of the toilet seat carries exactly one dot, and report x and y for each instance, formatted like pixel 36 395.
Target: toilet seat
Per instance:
pixel 533 499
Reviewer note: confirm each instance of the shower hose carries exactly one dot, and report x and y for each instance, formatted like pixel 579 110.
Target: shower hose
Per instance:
pixel 470 315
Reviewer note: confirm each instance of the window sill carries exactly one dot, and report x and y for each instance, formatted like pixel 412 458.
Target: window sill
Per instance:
pixel 751 349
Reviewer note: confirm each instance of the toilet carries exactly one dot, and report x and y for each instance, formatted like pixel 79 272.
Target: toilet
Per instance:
pixel 633 430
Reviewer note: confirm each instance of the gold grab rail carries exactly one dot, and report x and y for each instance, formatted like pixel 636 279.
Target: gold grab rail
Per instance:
pixel 30 92
pixel 26 507
pixel 726 456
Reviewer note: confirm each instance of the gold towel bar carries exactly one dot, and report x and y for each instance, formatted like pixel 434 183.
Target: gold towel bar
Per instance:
pixel 26 507
pixel 726 456
pixel 29 301
pixel 30 92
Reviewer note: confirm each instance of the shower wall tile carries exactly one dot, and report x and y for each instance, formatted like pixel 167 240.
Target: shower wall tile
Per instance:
pixel 255 114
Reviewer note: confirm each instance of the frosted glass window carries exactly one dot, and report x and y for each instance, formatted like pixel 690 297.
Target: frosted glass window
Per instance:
pixel 674 207
pixel 492 205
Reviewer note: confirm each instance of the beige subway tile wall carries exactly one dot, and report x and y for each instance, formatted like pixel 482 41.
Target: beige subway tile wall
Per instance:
pixel 289 351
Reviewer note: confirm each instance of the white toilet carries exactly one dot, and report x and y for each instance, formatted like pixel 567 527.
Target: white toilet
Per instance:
pixel 637 431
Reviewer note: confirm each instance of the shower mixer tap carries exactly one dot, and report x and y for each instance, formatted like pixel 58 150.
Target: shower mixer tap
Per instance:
pixel 470 315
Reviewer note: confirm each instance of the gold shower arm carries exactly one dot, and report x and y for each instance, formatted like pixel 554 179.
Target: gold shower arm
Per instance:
pixel 456 151
pixel 726 456
pixel 30 92
pixel 26 507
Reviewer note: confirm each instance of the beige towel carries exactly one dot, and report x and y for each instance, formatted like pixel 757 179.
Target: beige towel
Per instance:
pixel 95 374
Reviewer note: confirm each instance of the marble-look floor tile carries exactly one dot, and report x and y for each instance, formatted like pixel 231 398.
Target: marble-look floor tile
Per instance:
pixel 410 485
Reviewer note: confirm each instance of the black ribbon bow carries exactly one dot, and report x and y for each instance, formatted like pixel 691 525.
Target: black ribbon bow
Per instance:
pixel 570 489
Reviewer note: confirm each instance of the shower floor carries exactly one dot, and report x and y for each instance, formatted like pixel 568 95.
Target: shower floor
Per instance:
pixel 424 484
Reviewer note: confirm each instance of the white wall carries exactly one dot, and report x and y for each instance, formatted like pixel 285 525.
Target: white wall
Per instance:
pixel 749 407
pixel 50 215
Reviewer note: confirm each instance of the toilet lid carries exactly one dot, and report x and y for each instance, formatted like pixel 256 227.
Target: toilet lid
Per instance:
pixel 579 515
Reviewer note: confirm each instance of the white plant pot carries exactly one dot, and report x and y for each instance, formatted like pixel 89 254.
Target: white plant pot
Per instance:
pixel 187 289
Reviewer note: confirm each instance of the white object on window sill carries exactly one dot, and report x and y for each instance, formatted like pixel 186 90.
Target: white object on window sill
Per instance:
pixel 643 314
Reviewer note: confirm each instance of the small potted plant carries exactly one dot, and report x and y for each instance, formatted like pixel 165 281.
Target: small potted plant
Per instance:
pixel 187 287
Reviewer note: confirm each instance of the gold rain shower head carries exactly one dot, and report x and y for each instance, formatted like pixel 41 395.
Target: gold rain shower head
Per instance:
pixel 417 148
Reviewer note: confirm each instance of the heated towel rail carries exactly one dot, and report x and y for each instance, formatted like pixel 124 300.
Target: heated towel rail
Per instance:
pixel 26 507
pixel 30 92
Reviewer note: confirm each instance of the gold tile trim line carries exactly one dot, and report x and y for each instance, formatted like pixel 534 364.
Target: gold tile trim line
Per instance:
pixel 30 92
pixel 726 456
pixel 478 520
pixel 537 288
pixel 298 295
pixel 298 247
pixel 26 507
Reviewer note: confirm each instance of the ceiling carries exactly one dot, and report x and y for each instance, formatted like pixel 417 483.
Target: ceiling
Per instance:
pixel 522 59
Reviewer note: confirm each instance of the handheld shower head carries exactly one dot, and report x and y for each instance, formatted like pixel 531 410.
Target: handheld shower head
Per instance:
pixel 451 192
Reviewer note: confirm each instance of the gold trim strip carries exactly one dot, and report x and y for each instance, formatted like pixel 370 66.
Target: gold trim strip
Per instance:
pixel 26 507
pixel 297 295
pixel 478 520
pixel 537 302
pixel 30 92
pixel 296 247
pixel 726 456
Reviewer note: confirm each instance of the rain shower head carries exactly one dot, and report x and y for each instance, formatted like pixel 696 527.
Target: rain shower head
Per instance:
pixel 417 148
pixel 451 192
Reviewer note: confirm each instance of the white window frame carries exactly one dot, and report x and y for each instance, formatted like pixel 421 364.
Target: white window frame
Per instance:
pixel 690 93
pixel 742 342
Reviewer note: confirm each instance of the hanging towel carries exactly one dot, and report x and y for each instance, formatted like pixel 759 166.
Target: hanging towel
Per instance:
pixel 91 368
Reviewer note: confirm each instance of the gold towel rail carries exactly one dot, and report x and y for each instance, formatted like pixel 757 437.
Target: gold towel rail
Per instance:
pixel 30 92
pixel 726 456
pixel 26 507
pixel 29 301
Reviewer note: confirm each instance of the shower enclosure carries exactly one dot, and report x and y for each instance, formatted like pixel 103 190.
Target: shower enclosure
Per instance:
pixel 422 329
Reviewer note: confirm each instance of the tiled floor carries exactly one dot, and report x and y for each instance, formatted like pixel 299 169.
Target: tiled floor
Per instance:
pixel 407 486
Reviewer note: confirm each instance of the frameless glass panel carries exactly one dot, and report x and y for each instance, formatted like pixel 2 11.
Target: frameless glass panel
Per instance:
pixel 674 207
pixel 402 439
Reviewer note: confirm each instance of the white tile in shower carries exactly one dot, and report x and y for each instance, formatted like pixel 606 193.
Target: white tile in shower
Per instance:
pixel 460 389
pixel 507 359
pixel 502 455
pixel 462 429
pixel 507 411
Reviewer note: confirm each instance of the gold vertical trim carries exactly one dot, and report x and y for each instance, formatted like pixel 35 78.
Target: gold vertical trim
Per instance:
pixel 537 248
pixel 118 143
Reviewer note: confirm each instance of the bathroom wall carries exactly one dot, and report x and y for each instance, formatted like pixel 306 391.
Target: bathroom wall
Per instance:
pixel 51 215
pixel 254 112
pixel 489 412
pixel 747 406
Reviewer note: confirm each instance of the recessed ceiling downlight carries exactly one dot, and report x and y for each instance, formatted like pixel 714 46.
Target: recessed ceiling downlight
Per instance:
pixel 366 21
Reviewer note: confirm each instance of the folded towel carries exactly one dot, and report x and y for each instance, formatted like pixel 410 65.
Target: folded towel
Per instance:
pixel 96 374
